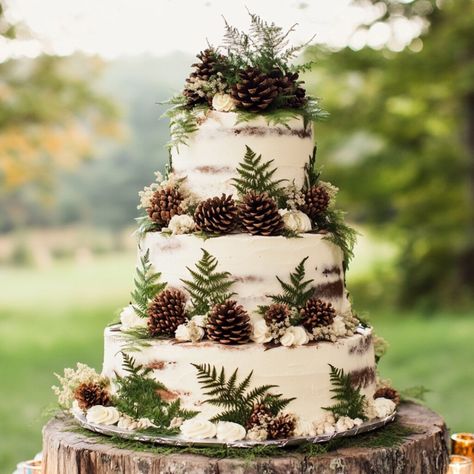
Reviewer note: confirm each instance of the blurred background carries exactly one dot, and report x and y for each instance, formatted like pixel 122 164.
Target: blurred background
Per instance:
pixel 80 134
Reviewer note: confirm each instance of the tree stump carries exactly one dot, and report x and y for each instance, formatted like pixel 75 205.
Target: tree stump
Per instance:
pixel 424 452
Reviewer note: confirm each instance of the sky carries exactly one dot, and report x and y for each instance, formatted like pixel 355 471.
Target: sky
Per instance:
pixel 112 28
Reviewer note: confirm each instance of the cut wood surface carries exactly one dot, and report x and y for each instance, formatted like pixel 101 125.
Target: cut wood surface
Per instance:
pixel 66 451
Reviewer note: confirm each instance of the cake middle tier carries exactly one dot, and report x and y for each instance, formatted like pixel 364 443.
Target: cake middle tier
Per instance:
pixel 215 150
pixel 254 262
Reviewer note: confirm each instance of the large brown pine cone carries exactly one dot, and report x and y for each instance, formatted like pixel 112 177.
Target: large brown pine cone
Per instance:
pixel 255 90
pixel 228 323
pixel 388 392
pixel 260 415
pixel 316 201
pixel 89 394
pixel 276 314
pixel 281 427
pixel 166 312
pixel 164 204
pixel 317 313
pixel 216 215
pixel 259 214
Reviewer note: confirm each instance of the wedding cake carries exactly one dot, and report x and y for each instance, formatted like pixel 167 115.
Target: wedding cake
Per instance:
pixel 240 326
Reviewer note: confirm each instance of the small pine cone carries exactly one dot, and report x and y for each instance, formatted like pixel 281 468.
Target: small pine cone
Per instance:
pixel 216 215
pixel 281 427
pixel 228 323
pixel 90 394
pixel 277 314
pixel 298 98
pixel 388 392
pixel 166 312
pixel 255 90
pixel 317 313
pixel 316 201
pixel 208 65
pixel 259 214
pixel 165 204
pixel 260 416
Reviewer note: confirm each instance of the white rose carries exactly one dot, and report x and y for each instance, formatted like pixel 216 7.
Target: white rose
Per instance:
pixel 294 336
pixel 261 332
pixel 339 326
pixel 305 428
pixel 181 224
pixel 189 332
pixel 383 407
pixel 182 333
pixel 223 103
pixel 101 415
pixel 198 428
pixel 228 431
pixel 130 319
pixel 295 221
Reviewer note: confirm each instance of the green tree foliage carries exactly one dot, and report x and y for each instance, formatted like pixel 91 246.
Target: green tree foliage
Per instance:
pixel 400 145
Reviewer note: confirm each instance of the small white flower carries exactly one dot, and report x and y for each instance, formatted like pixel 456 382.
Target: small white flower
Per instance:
pixel 223 103
pixel 130 319
pixel 294 336
pixel 344 423
pixel 305 428
pixel 200 320
pixel 181 224
pixel 295 221
pixel 182 333
pixel 189 332
pixel 339 326
pixel 383 407
pixel 176 422
pixel 257 433
pixel 101 415
pixel 261 332
pixel 228 431
pixel 198 428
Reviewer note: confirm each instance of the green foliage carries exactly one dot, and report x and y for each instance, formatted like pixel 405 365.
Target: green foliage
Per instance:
pixel 311 175
pixel 207 287
pixel 340 234
pixel 145 225
pixel 349 401
pixel 138 396
pixel 147 285
pixel 257 176
pixel 297 291
pixel 235 398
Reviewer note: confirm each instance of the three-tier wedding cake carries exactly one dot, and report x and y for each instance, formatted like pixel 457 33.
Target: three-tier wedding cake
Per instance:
pixel 240 326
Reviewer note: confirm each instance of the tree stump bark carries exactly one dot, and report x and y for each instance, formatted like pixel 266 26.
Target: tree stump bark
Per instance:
pixel 424 452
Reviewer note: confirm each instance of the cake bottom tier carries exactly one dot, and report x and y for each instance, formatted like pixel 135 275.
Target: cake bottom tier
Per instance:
pixel 302 372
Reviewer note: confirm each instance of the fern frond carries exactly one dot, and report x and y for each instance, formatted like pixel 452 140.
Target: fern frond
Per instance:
pixel 257 176
pixel 297 291
pixel 207 287
pixel 311 175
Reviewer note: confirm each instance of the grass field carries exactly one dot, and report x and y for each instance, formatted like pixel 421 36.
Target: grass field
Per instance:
pixel 50 319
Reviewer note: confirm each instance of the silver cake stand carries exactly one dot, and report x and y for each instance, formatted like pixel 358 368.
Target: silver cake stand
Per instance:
pixel 179 441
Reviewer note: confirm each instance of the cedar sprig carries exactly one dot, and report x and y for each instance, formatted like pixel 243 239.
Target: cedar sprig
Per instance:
pixel 257 176
pixel 311 175
pixel 235 398
pixel 349 400
pixel 139 397
pixel 297 291
pixel 147 285
pixel 208 286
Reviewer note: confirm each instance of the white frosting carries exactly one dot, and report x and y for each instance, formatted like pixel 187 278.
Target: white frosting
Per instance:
pixel 302 372
pixel 101 415
pixel 295 221
pixel 228 431
pixel 261 332
pixel 294 336
pixel 130 319
pixel 198 428
pixel 214 151
pixel 254 261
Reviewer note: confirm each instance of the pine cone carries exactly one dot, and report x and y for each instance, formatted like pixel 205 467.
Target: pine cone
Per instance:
pixel 228 323
pixel 317 313
pixel 316 201
pixel 259 213
pixel 165 204
pixel 281 427
pixel 388 392
pixel 216 215
pixel 166 312
pixel 276 314
pixel 90 394
pixel 260 415
pixel 298 98
pixel 255 90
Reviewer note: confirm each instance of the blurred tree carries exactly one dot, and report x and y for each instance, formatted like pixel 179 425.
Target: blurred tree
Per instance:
pixel 50 119
pixel 403 153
